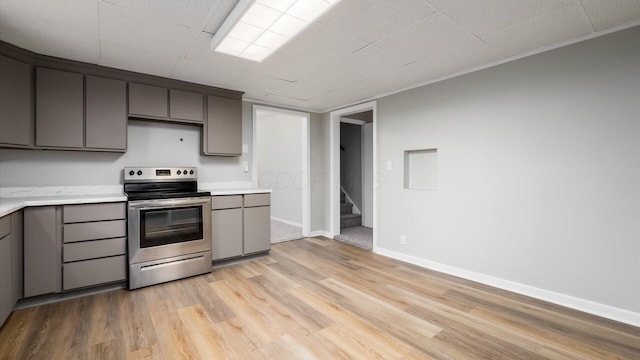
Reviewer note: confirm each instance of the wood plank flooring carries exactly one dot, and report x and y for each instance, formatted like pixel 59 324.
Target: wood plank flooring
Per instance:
pixel 314 299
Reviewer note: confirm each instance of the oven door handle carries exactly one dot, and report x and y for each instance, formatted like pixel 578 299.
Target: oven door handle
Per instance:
pixel 154 204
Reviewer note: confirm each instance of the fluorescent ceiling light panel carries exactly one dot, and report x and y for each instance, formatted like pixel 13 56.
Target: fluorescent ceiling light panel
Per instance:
pixel 257 28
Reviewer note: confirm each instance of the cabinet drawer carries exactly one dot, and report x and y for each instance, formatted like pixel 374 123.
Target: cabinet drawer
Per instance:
pixel 93 272
pixel 5 226
pixel 94 249
pixel 226 202
pixel 94 230
pixel 257 200
pixel 94 212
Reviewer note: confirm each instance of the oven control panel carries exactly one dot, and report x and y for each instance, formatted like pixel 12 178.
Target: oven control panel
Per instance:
pixel 160 173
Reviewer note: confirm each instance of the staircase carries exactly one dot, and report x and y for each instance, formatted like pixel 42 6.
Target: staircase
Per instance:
pixel 347 218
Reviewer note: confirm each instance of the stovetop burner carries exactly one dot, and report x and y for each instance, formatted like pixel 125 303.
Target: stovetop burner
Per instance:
pixel 148 183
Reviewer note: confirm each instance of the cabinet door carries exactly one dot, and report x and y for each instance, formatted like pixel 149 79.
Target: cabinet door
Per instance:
pixel 42 261
pixel 59 109
pixel 223 128
pixel 226 233
pixel 17 255
pixel 5 278
pixel 147 100
pixel 257 229
pixel 16 114
pixel 106 113
pixel 185 105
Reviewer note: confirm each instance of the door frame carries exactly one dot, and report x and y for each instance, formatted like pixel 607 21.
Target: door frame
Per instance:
pixel 306 187
pixel 334 167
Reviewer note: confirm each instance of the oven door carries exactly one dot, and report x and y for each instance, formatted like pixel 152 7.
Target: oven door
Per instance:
pixel 159 229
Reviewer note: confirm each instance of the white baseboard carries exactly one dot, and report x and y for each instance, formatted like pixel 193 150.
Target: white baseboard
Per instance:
pixel 286 222
pixel 587 306
pixel 321 233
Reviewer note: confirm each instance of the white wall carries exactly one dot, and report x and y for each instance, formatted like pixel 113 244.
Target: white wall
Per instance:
pixel 367 174
pixel 538 173
pixel 149 144
pixel 351 162
pixel 279 139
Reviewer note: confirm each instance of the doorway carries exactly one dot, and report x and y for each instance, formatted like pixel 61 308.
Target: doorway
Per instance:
pixel 281 153
pixel 352 200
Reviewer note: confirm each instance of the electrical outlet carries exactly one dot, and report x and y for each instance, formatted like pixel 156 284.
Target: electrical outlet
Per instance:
pixel 389 165
pixel 245 148
pixel 245 166
pixel 403 240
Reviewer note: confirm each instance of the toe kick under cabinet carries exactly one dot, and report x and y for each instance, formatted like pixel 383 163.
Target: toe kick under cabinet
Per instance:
pixel 74 246
pixel 240 225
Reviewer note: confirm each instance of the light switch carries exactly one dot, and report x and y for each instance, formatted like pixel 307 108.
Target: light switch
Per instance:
pixel 245 166
pixel 389 165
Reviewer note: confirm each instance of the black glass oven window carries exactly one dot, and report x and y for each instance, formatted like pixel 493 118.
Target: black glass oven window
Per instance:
pixel 170 226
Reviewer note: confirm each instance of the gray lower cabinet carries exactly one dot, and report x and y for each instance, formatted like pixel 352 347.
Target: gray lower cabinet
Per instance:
pixel 73 246
pixel 10 263
pixel 226 232
pixel 94 245
pixel 6 286
pixel 16 103
pixel 240 225
pixel 59 109
pixel 42 245
pixel 17 255
pixel 257 229
pixel 222 133
pixel 106 114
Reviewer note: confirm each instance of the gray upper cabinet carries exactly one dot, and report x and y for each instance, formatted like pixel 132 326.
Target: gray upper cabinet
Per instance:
pixel 16 103
pixel 147 100
pixel 106 113
pixel 59 109
pixel 186 105
pixel 223 128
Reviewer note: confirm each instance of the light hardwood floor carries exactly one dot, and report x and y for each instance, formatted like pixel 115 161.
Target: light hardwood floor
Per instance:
pixel 314 298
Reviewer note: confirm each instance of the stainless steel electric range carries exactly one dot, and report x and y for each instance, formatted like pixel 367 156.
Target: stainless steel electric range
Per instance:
pixel 169 225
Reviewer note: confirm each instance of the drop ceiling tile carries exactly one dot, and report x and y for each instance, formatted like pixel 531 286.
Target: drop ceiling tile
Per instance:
pixel 484 17
pixel 134 58
pixel 214 71
pixel 554 27
pixel 370 62
pixel 428 36
pixel 286 101
pixel 454 60
pixel 441 4
pixel 321 45
pixel 191 13
pixel 608 13
pixel 372 20
pixel 222 10
pixel 279 66
pixel 66 29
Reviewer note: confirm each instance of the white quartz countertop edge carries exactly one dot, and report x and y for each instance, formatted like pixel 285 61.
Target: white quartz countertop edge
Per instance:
pixel 216 192
pixel 11 204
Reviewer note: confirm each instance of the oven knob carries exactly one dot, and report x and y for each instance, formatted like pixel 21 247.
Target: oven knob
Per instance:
pixel 185 172
pixel 191 172
pixel 139 172
pixel 131 173
pixel 179 172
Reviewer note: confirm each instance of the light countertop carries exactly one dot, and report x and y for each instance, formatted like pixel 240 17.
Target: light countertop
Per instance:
pixel 14 199
pixel 11 204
